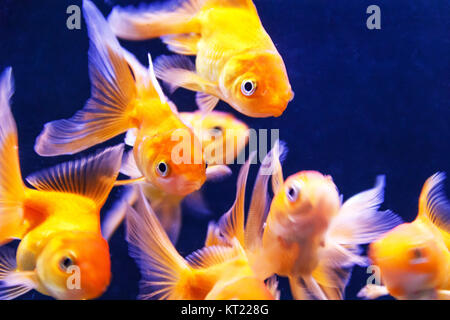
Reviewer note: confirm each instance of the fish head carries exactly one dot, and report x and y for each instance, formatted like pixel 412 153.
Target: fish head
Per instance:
pixel 222 135
pixel 256 84
pixel 173 161
pixel 409 258
pixel 305 204
pixel 75 265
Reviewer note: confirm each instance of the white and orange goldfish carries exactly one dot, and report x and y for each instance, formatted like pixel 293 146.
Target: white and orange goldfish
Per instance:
pixel 236 60
pixel 58 222
pixel 308 236
pixel 414 258
pixel 212 273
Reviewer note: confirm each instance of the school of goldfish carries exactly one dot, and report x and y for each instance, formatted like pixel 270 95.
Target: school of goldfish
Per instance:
pixel 305 232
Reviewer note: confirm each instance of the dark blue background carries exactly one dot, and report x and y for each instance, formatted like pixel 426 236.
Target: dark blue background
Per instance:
pixel 366 102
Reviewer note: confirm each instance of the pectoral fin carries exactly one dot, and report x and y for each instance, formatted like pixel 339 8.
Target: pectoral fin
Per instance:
pixel 13 283
pixel 179 71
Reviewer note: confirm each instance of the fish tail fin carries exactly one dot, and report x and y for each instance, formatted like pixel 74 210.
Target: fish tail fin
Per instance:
pixel 162 267
pixel 434 204
pixel 176 17
pixel 108 111
pixel 359 220
pixel 232 223
pixel 12 189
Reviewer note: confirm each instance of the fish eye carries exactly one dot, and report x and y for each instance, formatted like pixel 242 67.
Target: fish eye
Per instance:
pixel 217 129
pixel 162 169
pixel 418 255
pixel 292 192
pixel 66 262
pixel 248 87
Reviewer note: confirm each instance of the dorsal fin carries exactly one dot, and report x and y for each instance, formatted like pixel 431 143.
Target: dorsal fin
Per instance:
pixel 278 153
pixel 231 224
pixel 433 203
pixel 259 204
pixel 92 177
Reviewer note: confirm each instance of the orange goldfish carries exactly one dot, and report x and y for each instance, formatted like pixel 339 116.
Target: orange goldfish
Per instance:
pixel 210 273
pixel 309 235
pixel 119 103
pixel 222 137
pixel 236 60
pixel 414 258
pixel 58 222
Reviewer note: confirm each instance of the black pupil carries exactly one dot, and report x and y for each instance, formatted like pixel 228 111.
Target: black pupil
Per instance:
pixel 291 193
pixel 162 167
pixel 248 86
pixel 66 262
pixel 417 253
pixel 217 128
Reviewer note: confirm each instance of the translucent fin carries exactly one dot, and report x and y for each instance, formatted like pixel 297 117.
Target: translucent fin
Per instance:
pixel 433 202
pixel 298 289
pixel 129 166
pixel 185 44
pixel 211 256
pixel 179 71
pixel 278 153
pixel 206 102
pixel 169 215
pixel 130 137
pixel 107 113
pixel 213 237
pixel 13 283
pixel 272 286
pixel 115 216
pixel 196 201
pixel 372 291
pixel 160 264
pixel 217 172
pixel 359 220
pixel 332 279
pixel 176 17
pixel 231 224
pixel 146 82
pixel 259 205
pixel 314 289
pixel 92 177
pixel 12 190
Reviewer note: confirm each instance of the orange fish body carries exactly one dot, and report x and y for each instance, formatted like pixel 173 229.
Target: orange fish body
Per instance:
pixel 58 222
pixel 291 243
pixel 236 60
pixel 414 258
pixel 222 136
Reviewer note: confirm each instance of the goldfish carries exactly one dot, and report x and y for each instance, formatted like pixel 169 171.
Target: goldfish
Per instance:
pixel 211 273
pixel 57 221
pixel 118 103
pixel 306 233
pixel 222 137
pixel 414 259
pixel 236 60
